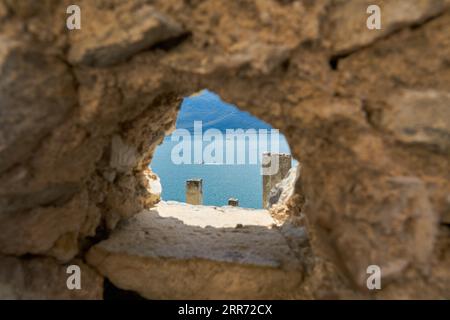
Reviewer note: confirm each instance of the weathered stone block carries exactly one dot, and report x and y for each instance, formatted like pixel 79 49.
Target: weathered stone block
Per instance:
pixel 166 254
pixel 110 36
pixel 43 278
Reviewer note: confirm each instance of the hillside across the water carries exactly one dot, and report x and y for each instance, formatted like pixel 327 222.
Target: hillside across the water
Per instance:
pixel 214 113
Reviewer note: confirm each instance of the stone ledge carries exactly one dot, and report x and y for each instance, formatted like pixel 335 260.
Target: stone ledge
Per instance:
pixel 164 257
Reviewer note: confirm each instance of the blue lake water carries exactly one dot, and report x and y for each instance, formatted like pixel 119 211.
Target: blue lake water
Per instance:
pixel 220 181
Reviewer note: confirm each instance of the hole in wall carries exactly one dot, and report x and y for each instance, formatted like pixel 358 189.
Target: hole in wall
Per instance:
pixel 226 178
pixel 222 146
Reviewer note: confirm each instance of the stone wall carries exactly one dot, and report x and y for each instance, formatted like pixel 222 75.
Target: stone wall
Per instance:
pixel 365 112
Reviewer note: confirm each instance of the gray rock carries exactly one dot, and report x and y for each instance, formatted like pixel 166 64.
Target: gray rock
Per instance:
pixel 123 157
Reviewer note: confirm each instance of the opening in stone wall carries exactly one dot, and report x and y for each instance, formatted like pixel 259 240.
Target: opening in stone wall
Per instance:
pixel 219 155
pixel 217 231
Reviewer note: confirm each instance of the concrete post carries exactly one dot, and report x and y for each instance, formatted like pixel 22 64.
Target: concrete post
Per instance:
pixel 233 202
pixel 194 191
pixel 275 167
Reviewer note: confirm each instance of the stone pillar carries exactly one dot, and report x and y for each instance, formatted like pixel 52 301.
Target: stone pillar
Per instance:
pixel 233 202
pixel 275 167
pixel 194 191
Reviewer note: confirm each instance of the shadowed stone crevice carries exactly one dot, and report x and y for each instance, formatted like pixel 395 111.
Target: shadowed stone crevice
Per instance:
pixel 172 43
pixel 111 292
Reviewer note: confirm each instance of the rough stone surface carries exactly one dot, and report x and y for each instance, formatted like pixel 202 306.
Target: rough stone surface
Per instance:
pixel 31 106
pixel 419 117
pixel 365 113
pixel 200 253
pixel 43 278
pixel 283 190
pixel 51 230
pixel 348 30
pixel 112 33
